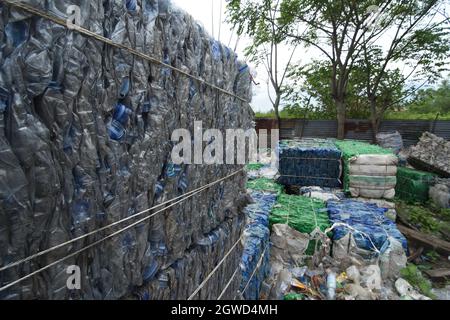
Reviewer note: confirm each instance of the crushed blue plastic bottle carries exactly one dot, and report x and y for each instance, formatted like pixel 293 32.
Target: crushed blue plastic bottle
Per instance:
pixel 131 5
pixel 17 32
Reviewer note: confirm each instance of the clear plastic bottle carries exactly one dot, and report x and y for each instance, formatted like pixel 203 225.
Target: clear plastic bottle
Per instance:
pixel 331 285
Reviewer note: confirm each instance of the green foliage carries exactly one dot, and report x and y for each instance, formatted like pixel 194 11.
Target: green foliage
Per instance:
pixel 429 219
pixel 433 256
pixel 356 69
pixel 415 278
pixel 432 100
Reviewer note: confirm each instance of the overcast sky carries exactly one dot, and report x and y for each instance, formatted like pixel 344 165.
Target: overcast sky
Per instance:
pixel 202 10
pixel 212 14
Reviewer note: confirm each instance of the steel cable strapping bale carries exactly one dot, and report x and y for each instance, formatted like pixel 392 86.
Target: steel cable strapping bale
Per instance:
pixel 310 162
pixel 86 142
pixel 413 185
pixel 302 214
pixel 255 258
pixel 369 170
pixel 431 154
pixel 183 277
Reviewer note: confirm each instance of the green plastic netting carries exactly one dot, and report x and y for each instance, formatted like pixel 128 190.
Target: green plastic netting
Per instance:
pixel 413 185
pixel 302 214
pixel 264 184
pixel 352 149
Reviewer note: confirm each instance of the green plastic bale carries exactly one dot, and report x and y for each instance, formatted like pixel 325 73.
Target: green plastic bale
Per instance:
pixel 264 184
pixel 294 296
pixel 302 214
pixel 350 149
pixel 254 166
pixel 413 185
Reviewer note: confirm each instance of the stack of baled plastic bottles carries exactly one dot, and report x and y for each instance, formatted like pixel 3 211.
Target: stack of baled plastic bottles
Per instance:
pixel 85 141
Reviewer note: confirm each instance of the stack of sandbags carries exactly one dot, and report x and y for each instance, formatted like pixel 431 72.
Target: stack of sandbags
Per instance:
pixel 431 154
pixel 310 162
pixel 390 140
pixel 413 185
pixel 369 170
pixel 85 141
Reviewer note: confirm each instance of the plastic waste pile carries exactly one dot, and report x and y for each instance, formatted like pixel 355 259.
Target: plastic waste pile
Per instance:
pixel 255 258
pixel 431 154
pixel 85 141
pixel 287 252
pixel 413 185
pixel 440 193
pixel 390 140
pixel 361 231
pixel 322 194
pixel 265 168
pixel 310 162
pixel 369 170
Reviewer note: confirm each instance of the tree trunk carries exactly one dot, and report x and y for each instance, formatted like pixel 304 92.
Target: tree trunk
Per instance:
pixel 341 117
pixel 276 107
pixel 375 121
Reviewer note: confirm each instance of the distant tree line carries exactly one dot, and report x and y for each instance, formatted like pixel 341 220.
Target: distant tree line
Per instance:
pixel 374 56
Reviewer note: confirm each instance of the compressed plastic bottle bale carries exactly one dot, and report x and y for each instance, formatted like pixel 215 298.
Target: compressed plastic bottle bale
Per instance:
pixel 302 214
pixel 413 185
pixel 264 184
pixel 372 227
pixel 310 162
pixel 390 140
pixel 431 154
pixel 254 266
pixel 369 170
pixel 86 136
pixel 184 276
pixel 440 193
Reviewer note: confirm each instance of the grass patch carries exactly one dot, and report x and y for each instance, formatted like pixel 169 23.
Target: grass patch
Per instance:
pixel 415 278
pixel 428 219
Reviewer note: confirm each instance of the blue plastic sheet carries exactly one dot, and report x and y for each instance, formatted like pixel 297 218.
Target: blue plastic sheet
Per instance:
pixel 256 244
pixel 312 162
pixel 366 218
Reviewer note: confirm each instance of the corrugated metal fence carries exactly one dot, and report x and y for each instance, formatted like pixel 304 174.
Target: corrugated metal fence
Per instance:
pixel 411 130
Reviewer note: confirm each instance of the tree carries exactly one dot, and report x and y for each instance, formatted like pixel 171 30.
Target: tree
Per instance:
pixel 432 100
pixel 344 30
pixel 419 41
pixel 258 19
